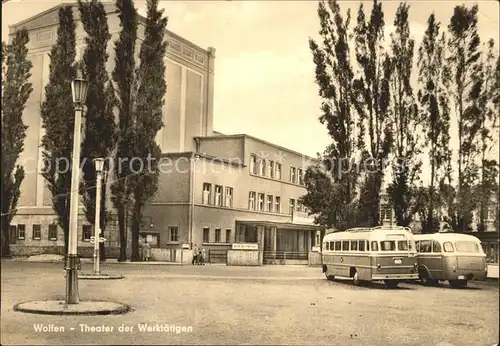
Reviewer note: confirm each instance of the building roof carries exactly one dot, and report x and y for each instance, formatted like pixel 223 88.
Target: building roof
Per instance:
pixel 220 136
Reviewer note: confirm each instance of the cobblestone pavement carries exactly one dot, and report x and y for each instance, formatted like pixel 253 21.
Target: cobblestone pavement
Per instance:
pixel 247 305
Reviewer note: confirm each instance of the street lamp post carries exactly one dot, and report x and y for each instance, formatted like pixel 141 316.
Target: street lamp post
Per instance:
pixel 79 93
pixel 99 163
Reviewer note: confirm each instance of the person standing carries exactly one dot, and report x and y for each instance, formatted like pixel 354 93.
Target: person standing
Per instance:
pixel 146 251
pixel 202 255
pixel 195 255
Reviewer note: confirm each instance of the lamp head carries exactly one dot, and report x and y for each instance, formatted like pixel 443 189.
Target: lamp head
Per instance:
pixel 99 164
pixel 79 88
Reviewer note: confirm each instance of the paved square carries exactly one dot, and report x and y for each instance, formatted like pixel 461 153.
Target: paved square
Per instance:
pixel 246 305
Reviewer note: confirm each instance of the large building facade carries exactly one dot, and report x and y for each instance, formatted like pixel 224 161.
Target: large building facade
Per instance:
pixel 215 189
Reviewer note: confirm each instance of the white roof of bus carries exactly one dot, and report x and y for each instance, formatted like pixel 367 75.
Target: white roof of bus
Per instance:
pixel 446 236
pixel 368 234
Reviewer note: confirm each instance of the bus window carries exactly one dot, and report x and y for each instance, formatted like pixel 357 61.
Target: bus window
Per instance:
pixel 387 245
pixel 466 246
pixel 403 245
pixel 367 245
pixel 338 246
pixel 345 245
pixel 448 247
pixel 436 247
pixel 425 246
pixel 331 246
pixel 361 246
pixel 327 246
pixel 417 246
pixel 354 245
pixel 374 246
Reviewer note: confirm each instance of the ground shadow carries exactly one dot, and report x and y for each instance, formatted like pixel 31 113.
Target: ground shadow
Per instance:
pixel 377 285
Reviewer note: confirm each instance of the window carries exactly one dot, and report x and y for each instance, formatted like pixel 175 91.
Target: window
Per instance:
pixel 293 175
pixel 21 231
pixel 173 232
pixel 218 195
pixel 207 193
pixel 354 245
pixel 253 164
pixel 345 245
pixel 86 232
pixel 387 245
pixel 277 203
pixel 300 174
pixel 425 246
pixel 229 197
pixel 385 213
pixel 269 203
pixel 299 207
pixel 436 247
pixel 153 239
pixel 374 246
pixel 367 245
pixel 52 232
pixel 361 246
pixel 37 232
pixel 327 246
pixel 217 235
pixel 206 234
pixel 448 247
pixel 270 169
pixel 262 167
pixel 228 235
pixel 261 202
pixel 291 206
pixel 338 246
pixel 403 245
pixel 331 245
pixel 466 246
pixel 278 171
pixel 251 200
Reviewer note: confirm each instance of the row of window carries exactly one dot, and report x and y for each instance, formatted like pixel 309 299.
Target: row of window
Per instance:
pixel 222 196
pixel 217 238
pixel 365 245
pixel 272 169
pixel 19 232
pixel 261 202
pixel 434 246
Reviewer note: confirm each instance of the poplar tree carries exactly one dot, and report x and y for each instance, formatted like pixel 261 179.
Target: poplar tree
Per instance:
pixel 16 90
pixel 489 108
pixel 148 116
pixel 406 169
pixel 100 127
pixel 464 60
pixel 125 85
pixel 434 112
pixel 331 189
pixel 58 119
pixel 371 101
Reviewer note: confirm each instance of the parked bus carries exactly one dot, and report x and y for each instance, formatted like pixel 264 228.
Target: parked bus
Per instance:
pixel 453 257
pixel 371 254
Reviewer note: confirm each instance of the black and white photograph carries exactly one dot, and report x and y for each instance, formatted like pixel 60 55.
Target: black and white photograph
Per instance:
pixel 250 172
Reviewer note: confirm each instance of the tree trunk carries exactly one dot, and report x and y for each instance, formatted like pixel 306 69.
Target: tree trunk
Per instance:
pixel 123 238
pixel 5 236
pixel 136 224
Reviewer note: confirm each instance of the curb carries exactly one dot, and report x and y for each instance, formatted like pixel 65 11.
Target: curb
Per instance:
pixel 58 307
pixel 83 276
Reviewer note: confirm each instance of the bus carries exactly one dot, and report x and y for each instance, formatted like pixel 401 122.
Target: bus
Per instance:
pixel 371 254
pixel 453 257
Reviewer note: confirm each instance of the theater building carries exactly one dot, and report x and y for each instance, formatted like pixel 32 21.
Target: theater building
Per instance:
pixel 219 189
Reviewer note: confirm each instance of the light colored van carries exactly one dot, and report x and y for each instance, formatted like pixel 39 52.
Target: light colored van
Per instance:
pixel 453 257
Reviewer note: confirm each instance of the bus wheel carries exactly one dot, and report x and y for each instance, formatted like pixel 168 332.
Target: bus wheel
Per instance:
pixel 391 283
pixel 458 283
pixel 425 279
pixel 329 277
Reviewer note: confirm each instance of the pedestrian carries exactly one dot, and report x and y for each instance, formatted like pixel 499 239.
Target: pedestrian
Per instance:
pixel 202 256
pixel 195 255
pixel 146 251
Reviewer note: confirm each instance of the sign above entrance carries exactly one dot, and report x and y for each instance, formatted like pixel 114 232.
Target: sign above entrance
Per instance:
pixel 245 246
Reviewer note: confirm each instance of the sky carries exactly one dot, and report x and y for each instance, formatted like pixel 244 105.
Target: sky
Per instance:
pixel 264 73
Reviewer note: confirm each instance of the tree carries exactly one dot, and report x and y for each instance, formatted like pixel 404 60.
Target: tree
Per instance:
pixel 406 123
pixel 489 118
pixel 333 202
pixel 100 127
pixel 433 79
pixel 464 61
pixel 124 78
pixel 371 102
pixel 15 93
pixel 149 116
pixel 57 114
